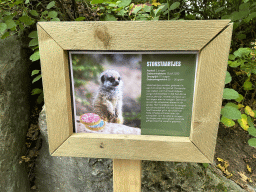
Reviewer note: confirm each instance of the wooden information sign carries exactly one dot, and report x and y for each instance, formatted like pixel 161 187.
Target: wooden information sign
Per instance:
pixel 182 67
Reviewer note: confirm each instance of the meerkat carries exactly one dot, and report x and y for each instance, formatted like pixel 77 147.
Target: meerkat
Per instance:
pixel 108 101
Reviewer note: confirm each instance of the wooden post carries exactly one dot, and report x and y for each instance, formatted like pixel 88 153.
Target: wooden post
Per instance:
pixel 126 175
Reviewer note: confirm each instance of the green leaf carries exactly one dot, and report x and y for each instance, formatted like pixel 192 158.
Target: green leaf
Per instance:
pixel 10 24
pixel 136 9
pixel 34 13
pixel 55 19
pixel 124 3
pixel 252 131
pixel 242 52
pixel 227 122
pixel 250 17
pixel 244 6
pixel 26 20
pixel 247 85
pixel 80 19
pixel 6 34
pixel 231 112
pixel 36 78
pixel 158 10
pixel 250 121
pixel 3 27
pixel 228 78
pixel 52 14
pixel 234 64
pixel 34 72
pixel 232 104
pixel 230 94
pixel 50 5
pixel 174 6
pixel 33 42
pixel 252 142
pixel 35 56
pixel 231 57
pixel 240 98
pixel 33 34
pixel 27 1
pixel 219 9
pixel 97 1
pixel 36 91
pixel 40 98
pixel 109 17
pixel 8 17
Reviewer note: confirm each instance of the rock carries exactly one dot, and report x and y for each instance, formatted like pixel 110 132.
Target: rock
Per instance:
pixel 14 113
pixel 70 173
pixel 67 174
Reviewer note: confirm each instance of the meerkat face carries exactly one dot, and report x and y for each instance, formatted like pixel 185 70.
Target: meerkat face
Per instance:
pixel 110 79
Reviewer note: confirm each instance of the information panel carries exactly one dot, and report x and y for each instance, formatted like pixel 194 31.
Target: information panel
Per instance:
pixel 167 93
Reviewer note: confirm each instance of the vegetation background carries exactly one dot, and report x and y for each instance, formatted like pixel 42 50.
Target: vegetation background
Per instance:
pixel 238 114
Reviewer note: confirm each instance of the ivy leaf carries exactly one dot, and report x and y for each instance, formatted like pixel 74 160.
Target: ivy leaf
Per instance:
pixel 33 34
pixel 34 13
pixel 247 85
pixel 174 6
pixel 250 121
pixel 36 78
pixel 55 19
pixel 231 112
pixel 26 20
pixel 10 24
pixel 52 14
pixel 33 42
pixel 40 98
pixel 242 52
pixel 97 1
pixel 136 9
pixel 34 72
pixel 252 142
pixel 249 111
pixel 35 56
pixel 233 105
pixel 36 91
pixel 109 17
pixel 6 34
pixel 243 122
pixel 230 94
pixel 234 63
pixel 3 27
pixel 240 98
pixel 124 3
pixel 227 122
pixel 80 19
pixel 252 131
pixel 219 9
pixel 228 78
pixel 50 5
pixel 231 57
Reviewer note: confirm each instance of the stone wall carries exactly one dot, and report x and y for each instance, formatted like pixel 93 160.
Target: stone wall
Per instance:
pixel 14 113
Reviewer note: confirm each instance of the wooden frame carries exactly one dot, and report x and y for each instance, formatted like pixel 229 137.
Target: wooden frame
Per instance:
pixel 212 40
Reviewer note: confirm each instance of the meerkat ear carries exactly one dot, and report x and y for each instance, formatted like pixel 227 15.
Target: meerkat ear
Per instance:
pixel 102 79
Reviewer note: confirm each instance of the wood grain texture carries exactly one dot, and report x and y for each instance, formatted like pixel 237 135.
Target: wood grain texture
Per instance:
pixel 136 147
pixel 209 90
pixel 56 85
pixel 126 175
pixel 137 35
pixel 57 37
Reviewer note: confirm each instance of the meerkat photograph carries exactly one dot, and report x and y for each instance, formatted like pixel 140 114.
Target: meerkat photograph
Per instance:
pixel 133 93
pixel 109 86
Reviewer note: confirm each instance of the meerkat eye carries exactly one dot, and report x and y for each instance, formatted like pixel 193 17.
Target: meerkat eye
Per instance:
pixel 111 79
